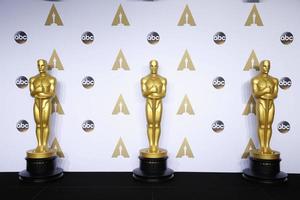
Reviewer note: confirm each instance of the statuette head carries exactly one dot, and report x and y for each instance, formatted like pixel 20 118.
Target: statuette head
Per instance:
pixel 42 65
pixel 153 66
pixel 265 66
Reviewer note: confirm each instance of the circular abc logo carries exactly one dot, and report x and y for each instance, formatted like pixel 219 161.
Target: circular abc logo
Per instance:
pixel 88 82
pixel 153 38
pixel 285 83
pixel 218 82
pixel 87 37
pixel 22 125
pixel 286 38
pixel 88 125
pixel 219 38
pixel 20 37
pixel 284 127
pixel 217 126
pixel 21 82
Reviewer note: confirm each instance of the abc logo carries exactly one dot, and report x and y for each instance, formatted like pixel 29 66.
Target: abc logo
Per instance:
pixel 88 125
pixel 283 127
pixel 21 82
pixel 153 38
pixel 20 37
pixel 88 82
pixel 286 38
pixel 285 83
pixel 218 82
pixel 87 37
pixel 22 125
pixel 217 126
pixel 219 38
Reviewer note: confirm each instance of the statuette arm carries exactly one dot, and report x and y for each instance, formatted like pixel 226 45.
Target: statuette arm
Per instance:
pixel 257 92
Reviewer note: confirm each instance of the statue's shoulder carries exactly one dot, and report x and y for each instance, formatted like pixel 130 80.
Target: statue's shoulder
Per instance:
pixel 275 80
pixel 31 79
pixel 51 78
pixel 255 79
pixel 145 78
pixel 163 79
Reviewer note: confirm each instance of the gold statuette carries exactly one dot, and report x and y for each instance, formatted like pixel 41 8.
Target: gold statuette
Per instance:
pixel 154 90
pixel 265 90
pixel 42 88
pixel 153 160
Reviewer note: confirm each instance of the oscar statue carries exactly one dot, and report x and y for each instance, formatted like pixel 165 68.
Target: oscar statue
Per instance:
pixel 153 160
pixel 264 162
pixel 41 161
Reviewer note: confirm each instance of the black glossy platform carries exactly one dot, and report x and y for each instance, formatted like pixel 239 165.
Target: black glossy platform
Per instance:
pixel 40 170
pixel 265 171
pixel 185 186
pixel 153 170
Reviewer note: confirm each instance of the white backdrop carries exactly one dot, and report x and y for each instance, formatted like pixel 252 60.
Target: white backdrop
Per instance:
pixel 92 151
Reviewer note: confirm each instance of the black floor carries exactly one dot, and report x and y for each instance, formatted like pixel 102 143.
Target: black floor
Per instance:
pixel 185 186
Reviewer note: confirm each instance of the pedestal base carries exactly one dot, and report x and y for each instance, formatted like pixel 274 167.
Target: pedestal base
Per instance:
pixel 153 170
pixel 265 171
pixel 40 170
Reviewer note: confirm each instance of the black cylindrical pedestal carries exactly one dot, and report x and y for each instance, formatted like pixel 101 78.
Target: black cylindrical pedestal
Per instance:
pixel 153 170
pixel 265 171
pixel 41 170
